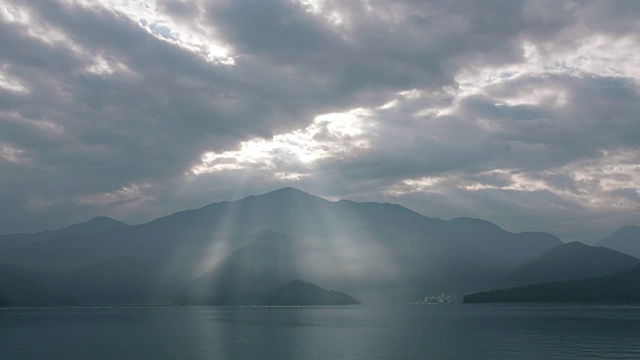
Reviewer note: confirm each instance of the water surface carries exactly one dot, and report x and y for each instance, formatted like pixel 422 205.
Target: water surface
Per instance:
pixel 451 331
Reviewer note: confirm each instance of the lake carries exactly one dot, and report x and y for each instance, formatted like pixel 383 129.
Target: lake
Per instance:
pixel 439 331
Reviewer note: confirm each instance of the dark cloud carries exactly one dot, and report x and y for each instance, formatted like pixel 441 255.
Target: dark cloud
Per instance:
pixel 515 111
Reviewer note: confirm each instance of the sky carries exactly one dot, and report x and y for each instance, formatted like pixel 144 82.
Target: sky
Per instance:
pixel 523 113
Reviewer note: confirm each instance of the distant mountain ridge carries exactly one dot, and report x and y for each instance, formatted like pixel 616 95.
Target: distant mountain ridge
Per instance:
pixel 573 260
pixel 626 240
pixel 272 259
pixel 622 286
pixel 95 225
pixel 380 251
pixel 300 293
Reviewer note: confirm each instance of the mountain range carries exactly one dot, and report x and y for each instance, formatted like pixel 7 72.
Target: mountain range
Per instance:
pixel 238 252
pixel 621 286
pixel 569 261
pixel 626 240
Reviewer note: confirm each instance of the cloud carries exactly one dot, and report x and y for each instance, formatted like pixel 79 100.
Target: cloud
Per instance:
pixel 522 112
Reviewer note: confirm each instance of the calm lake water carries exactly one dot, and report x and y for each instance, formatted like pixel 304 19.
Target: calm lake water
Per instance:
pixel 451 331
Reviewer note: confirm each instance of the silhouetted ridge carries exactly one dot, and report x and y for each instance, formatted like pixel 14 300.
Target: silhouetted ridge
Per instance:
pixel 98 223
pixel 484 236
pixel 300 293
pixel 626 240
pixel 104 219
pixel 287 192
pixel 287 196
pixel 573 260
pixel 622 286
pixel 476 224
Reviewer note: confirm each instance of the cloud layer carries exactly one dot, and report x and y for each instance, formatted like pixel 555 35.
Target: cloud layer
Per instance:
pixel 524 113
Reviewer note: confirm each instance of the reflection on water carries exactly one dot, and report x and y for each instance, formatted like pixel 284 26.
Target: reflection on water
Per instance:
pixel 451 331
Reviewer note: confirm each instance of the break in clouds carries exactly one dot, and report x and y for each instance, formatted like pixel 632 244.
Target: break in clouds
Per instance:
pixel 524 113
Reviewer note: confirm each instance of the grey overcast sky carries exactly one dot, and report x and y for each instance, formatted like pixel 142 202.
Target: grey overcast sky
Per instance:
pixel 524 113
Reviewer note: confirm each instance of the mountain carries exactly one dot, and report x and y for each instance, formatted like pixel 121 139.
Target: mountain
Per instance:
pixel 300 293
pixel 96 225
pixel 488 237
pixel 380 251
pixel 573 260
pixel 117 281
pixel 249 272
pixel 622 286
pixel 626 240
pixel 27 288
pixel 272 259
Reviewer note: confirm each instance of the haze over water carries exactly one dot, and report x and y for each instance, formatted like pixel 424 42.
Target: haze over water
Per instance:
pixel 453 331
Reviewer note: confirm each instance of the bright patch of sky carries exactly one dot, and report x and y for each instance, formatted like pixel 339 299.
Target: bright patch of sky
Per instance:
pixel 596 55
pixel 12 83
pixel 329 136
pixel 51 35
pixel 611 181
pixel 44 125
pixel 131 194
pixel 190 35
pixel 48 33
pixel 10 153
pixel 321 8
pixel 126 201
